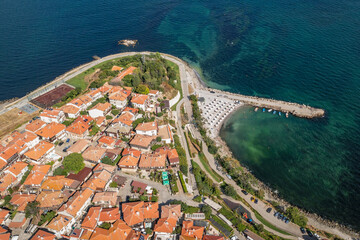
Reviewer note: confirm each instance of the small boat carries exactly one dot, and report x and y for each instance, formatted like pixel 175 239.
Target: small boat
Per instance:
pixel 270 110
pixel 274 112
pixel 256 109
pixel 287 114
pixel 279 113
pixel 263 109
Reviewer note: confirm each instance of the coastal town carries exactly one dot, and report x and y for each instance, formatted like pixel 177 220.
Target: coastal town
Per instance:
pixel 120 153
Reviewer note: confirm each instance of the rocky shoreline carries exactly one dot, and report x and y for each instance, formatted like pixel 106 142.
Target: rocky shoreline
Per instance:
pixel 316 221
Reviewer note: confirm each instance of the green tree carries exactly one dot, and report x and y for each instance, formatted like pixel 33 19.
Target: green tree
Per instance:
pixel 197 198
pixel 32 209
pixel 207 210
pixel 74 162
pixel 105 225
pixel 142 89
pixel 259 227
pixel 296 217
pixel 113 185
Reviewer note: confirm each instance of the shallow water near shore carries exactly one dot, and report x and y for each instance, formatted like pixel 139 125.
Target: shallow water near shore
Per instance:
pixel 302 51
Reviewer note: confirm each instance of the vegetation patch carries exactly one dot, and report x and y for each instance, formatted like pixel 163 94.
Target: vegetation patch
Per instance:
pixel 207 167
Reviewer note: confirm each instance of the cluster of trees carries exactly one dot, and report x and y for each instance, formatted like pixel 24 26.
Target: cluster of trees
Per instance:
pixel 73 162
pixel 296 216
pixel 229 191
pixel 182 155
pixel 241 178
pixel 71 95
pixel 173 185
pixel 204 183
pixel 151 70
pixel 199 124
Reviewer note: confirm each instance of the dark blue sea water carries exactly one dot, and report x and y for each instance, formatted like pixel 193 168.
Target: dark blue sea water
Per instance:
pixel 303 51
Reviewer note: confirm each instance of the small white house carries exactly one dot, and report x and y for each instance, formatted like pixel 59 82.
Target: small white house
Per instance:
pixel 147 128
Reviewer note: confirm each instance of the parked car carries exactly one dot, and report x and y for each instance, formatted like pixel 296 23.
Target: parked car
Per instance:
pixel 280 216
pixel 65 149
pixel 276 214
pixel 316 235
pixel 269 210
pixel 303 231
pixel 61 143
pixel 244 192
pixel 256 200
pixel 68 140
pixel 309 233
pixel 283 218
pixel 287 221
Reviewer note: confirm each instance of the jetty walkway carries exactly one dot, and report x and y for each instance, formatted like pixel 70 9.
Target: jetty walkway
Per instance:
pixel 298 110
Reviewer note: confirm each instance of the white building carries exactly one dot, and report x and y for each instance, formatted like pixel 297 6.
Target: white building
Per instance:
pixel 147 128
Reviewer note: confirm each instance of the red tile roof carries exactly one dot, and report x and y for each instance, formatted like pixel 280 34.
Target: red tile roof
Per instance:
pixel 39 150
pixel 147 126
pixel 43 235
pixel 51 130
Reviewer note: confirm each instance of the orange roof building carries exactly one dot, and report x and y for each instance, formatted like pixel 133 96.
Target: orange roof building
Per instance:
pixel 40 151
pixel 142 142
pixel 94 154
pixel 21 200
pixel 126 118
pixel 17 169
pixel 133 213
pixel 51 200
pixel 71 111
pixel 116 68
pixel 152 161
pixel 106 142
pixel 79 146
pixel 126 72
pixel 58 183
pixel 100 110
pixel 91 219
pixel 137 212
pixel 140 101
pixel 78 130
pixel 52 115
pixel 189 230
pixel 6 182
pixel 109 215
pixel 52 131
pixel 129 161
pixel 36 176
pixel 4 214
pixel 78 202
pixel 61 224
pixel 119 99
pixel 170 215
pixel 106 199
pixel 118 230
pixel 35 125
pixel 147 128
pixel 43 235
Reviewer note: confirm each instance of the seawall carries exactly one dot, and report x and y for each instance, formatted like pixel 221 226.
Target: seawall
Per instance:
pixel 296 109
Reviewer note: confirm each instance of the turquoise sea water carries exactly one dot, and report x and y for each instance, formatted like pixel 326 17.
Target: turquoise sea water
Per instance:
pixel 303 51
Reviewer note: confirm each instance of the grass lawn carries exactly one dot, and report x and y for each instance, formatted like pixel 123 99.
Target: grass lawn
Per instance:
pixel 207 167
pixel 78 80
pixel 266 223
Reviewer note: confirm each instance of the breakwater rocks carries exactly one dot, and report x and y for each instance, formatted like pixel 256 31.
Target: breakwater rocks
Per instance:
pixel 298 110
